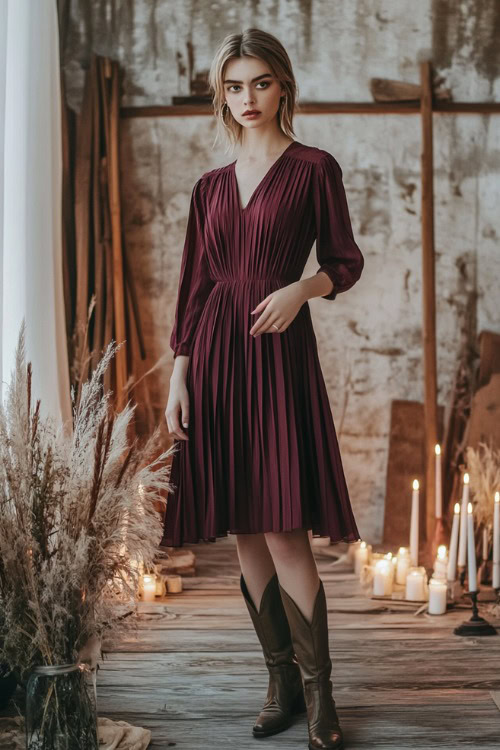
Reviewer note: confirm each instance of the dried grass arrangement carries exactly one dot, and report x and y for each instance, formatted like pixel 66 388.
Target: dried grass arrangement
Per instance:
pixel 483 465
pixel 77 509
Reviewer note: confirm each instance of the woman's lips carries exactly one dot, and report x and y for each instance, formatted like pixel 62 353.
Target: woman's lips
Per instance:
pixel 252 115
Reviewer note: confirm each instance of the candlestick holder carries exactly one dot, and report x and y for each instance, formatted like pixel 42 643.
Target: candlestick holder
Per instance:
pixel 476 625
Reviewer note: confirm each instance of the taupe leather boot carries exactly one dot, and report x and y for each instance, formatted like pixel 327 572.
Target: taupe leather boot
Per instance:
pixel 285 695
pixel 310 641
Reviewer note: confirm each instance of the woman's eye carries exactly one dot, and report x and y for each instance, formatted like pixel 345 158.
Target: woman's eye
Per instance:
pixel 266 85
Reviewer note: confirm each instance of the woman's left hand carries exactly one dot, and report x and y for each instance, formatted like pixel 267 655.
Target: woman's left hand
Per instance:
pixel 280 307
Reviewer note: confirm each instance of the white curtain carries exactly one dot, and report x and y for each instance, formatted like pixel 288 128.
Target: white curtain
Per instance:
pixel 31 284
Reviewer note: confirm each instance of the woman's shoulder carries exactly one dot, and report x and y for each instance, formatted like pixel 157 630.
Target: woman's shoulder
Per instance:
pixel 316 155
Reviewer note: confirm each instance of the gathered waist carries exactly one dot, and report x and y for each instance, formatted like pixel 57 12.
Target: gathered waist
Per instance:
pixel 252 279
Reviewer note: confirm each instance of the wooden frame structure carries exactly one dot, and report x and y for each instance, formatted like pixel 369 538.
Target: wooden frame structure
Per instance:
pixel 425 106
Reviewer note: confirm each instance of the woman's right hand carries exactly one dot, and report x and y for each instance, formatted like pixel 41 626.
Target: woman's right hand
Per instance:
pixel 177 411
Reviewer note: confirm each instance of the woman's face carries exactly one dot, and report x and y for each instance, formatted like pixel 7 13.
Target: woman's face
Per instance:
pixel 250 85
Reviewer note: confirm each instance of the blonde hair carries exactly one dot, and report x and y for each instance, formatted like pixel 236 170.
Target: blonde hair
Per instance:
pixel 253 43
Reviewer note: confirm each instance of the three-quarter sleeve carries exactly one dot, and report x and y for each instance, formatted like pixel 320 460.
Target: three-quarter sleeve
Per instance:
pixel 195 283
pixel 336 251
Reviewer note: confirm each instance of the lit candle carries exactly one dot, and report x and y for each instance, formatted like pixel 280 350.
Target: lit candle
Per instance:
pixel 471 550
pixel 437 596
pixel 351 551
pixel 403 565
pixel 414 524
pixel 415 584
pixel 439 490
pixel 441 562
pixel 382 578
pixel 452 560
pixel 148 588
pixel 496 541
pixel 174 584
pixel 361 557
pixel 462 545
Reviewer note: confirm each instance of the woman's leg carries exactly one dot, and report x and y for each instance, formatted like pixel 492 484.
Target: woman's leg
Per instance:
pixel 260 588
pixel 256 564
pixel 296 567
pixel 304 600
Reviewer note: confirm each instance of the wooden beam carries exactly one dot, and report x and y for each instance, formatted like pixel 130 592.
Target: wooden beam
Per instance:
pixel 428 300
pixel 327 108
pixel 112 72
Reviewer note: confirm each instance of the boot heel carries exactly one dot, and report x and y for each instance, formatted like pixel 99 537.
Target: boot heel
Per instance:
pixel 299 703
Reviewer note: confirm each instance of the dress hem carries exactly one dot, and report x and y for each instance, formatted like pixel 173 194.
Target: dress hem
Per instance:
pixel 348 539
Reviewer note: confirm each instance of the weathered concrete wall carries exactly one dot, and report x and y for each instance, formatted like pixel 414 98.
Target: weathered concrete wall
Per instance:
pixel 370 338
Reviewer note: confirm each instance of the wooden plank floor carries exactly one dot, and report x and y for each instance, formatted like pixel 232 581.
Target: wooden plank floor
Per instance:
pixel 195 675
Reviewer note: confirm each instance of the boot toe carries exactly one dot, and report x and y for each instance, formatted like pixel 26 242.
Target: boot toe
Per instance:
pixel 270 722
pixel 329 740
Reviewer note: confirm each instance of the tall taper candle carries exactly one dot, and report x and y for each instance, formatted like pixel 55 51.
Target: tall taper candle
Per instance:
pixel 439 489
pixel 471 550
pixel 462 545
pixel 496 541
pixel 452 560
pixel 414 525
pixel 486 538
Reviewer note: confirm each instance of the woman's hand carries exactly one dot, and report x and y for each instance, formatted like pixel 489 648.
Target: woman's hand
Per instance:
pixel 178 405
pixel 280 307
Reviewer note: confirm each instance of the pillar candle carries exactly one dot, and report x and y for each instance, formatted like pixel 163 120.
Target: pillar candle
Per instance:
pixel 403 565
pixel 415 589
pixel 452 558
pixel 437 596
pixel 148 588
pixel 462 544
pixel 351 551
pixel 439 490
pixel 496 541
pixel 174 584
pixel 414 524
pixel 382 578
pixel 471 550
pixel 361 557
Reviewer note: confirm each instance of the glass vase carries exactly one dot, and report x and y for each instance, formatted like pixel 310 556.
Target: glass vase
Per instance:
pixel 61 711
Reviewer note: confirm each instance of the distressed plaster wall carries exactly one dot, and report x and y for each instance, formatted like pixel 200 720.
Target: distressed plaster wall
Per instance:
pixel 370 338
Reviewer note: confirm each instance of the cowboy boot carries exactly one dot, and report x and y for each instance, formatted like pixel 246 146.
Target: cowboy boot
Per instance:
pixel 285 695
pixel 310 642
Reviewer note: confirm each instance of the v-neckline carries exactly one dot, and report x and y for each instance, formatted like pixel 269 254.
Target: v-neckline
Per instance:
pixel 271 168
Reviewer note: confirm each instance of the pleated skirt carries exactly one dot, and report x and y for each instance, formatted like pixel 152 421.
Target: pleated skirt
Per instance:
pixel 262 453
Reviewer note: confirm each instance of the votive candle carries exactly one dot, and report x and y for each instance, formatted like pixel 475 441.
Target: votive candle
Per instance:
pixel 437 596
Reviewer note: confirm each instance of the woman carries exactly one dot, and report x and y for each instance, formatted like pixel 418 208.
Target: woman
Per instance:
pixel 258 456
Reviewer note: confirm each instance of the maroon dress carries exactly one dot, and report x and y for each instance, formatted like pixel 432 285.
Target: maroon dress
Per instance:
pixel 262 453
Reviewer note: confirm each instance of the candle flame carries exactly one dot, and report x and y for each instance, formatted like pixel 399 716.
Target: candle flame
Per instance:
pixel 457 508
pixel 415 484
pixel 388 556
pixel 497 497
pixel 441 552
pixel 466 478
pixel 469 508
pixel 437 448
pixel 403 551
pixel 363 544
